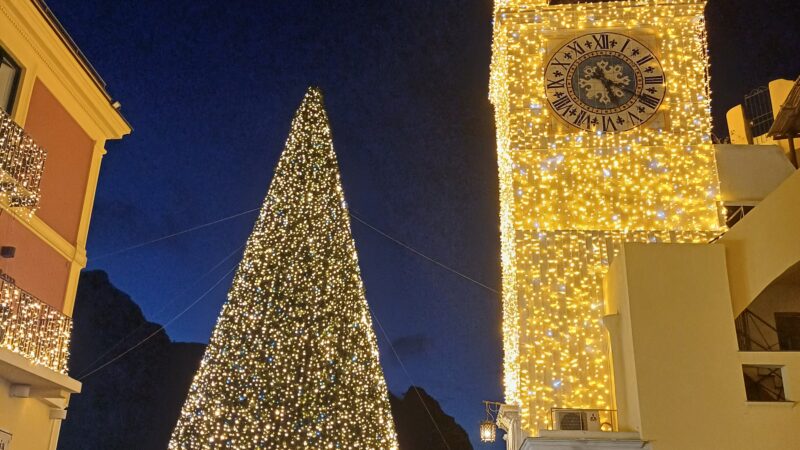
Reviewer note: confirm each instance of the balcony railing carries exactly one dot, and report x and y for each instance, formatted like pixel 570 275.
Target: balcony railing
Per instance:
pixel 756 334
pixel 32 328
pixel 21 166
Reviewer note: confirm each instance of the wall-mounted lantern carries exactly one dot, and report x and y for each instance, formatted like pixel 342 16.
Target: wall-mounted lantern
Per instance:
pixel 488 430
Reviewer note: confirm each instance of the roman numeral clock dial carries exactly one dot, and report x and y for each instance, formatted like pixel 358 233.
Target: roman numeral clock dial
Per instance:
pixel 605 82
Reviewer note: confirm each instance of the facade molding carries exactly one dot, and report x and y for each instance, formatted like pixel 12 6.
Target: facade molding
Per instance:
pixel 58 68
pixel 758 251
pixel 43 382
pixel 40 50
pixel 47 234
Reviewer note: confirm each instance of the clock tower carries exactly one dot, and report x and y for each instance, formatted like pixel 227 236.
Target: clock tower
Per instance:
pixel 603 136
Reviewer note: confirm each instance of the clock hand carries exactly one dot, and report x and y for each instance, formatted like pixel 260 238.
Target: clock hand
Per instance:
pixel 622 86
pixel 607 84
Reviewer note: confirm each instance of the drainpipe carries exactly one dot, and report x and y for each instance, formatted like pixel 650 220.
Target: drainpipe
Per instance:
pixel 792 151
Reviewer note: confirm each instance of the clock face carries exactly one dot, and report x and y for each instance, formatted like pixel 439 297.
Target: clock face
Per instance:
pixel 605 82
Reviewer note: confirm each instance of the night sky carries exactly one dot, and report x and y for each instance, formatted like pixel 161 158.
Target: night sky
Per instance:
pixel 210 88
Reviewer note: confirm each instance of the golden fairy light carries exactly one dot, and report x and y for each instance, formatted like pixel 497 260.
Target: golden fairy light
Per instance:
pixel 32 328
pixel 293 360
pixel 570 194
pixel 21 167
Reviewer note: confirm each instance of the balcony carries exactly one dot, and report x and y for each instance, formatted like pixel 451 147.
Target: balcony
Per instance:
pixel 21 166
pixel 33 329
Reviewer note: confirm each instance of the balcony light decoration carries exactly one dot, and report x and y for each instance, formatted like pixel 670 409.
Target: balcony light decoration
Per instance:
pixel 293 360
pixel 21 166
pixel 32 328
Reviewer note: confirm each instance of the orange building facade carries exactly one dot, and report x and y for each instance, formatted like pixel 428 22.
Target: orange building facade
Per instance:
pixel 55 119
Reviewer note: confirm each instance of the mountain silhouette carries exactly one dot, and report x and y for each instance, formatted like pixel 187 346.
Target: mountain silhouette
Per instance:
pixel 414 416
pixel 134 402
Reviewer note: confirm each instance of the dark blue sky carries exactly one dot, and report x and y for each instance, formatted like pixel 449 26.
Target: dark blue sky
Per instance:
pixel 210 88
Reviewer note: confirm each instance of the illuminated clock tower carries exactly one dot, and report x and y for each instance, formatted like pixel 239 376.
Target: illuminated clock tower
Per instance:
pixel 603 136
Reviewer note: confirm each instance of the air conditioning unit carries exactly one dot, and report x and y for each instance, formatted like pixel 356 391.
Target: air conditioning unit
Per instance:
pixel 577 420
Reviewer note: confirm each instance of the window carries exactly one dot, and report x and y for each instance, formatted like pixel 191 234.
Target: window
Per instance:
pixel 9 79
pixel 788 325
pixel 764 383
pixel 758 109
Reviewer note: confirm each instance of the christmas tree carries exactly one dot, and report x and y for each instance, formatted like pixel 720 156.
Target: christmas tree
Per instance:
pixel 293 360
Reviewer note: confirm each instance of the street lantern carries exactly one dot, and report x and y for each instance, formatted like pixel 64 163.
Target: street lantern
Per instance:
pixel 488 431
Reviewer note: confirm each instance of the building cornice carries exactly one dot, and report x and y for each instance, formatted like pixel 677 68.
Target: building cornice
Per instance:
pixel 47 52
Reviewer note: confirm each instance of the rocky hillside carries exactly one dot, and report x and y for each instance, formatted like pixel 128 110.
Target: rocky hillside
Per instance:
pixel 133 403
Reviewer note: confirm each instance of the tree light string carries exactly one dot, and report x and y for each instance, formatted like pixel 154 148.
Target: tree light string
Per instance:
pixel 293 360
pixel 422 255
pixel 359 219
pixel 173 235
pixel 411 381
pixel 174 318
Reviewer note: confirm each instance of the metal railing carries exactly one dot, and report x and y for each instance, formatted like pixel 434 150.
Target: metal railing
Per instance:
pixel 735 213
pixel 32 328
pixel 764 383
pixel 21 166
pixel 758 110
pixel 756 334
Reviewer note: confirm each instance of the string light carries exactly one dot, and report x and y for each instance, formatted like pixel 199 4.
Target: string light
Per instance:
pixel 32 328
pixel 570 197
pixel 293 360
pixel 21 166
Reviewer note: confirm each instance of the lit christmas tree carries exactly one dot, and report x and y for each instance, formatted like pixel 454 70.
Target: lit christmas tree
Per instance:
pixel 293 360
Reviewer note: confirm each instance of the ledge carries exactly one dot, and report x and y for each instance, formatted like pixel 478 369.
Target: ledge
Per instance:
pixel 782 359
pixel 589 435
pixel 51 237
pixel 787 404
pixel 578 440
pixel 44 382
